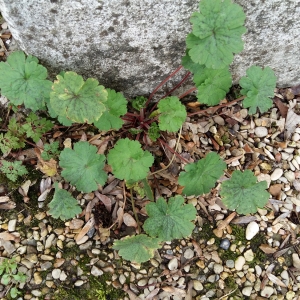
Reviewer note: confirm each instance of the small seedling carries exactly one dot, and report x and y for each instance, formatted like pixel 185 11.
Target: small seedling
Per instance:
pixel 10 277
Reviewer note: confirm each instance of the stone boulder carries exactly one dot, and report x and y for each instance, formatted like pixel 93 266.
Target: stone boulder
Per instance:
pixel 132 45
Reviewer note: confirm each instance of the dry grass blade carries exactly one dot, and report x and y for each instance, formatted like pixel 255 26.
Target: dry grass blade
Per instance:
pixel 4 199
pixel 8 205
pixel 276 280
pixel 105 200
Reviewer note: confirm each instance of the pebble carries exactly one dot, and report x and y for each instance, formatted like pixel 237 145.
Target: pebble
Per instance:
pixel 290 176
pixel 267 292
pixel 218 268
pixel 188 254
pixel 246 291
pixel 198 286
pixel 251 230
pixel 63 276
pixel 296 260
pixel 56 273
pixel 249 255
pixel 230 263
pixel 12 225
pixel 37 278
pixel 79 283
pixel 96 271
pixel 49 241
pixel 173 264
pixel 277 173
pixel 261 131
pixel 225 244
pixel 239 263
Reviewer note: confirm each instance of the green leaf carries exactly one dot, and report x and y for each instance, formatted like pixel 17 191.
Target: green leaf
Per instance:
pixel 35 127
pixel 83 167
pixel 14 292
pixel 154 132
pixel 216 34
pixel 63 205
pixel 212 85
pixel 23 80
pixel 116 106
pixel 171 220
pixel 258 86
pixel 50 151
pixel 243 194
pixel 5 279
pixel 78 100
pixel 138 248
pixel 139 102
pixel 8 142
pixel 172 114
pixel 13 169
pixel 201 176
pixel 129 161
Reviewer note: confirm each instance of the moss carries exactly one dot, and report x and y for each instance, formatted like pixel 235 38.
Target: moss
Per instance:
pixel 228 255
pixel 96 289
pixel 239 233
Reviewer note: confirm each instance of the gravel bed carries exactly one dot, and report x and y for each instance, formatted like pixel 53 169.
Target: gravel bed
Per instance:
pixel 227 257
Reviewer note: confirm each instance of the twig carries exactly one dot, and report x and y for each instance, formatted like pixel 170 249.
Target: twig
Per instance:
pixel 134 211
pixel 169 164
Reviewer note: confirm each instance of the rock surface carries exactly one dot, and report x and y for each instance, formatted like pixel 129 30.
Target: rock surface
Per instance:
pixel 132 46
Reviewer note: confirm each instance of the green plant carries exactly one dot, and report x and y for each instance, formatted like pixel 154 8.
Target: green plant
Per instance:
pixel 12 169
pixel 50 151
pixel 215 38
pixel 10 277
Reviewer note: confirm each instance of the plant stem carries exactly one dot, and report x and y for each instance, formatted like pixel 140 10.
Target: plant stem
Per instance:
pixel 161 84
pixel 134 212
pixel 172 150
pixel 216 107
pixel 188 92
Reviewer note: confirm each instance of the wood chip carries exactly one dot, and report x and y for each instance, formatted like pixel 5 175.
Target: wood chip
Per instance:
pixel 267 249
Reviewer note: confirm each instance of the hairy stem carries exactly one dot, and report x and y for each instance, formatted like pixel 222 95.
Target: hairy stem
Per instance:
pixel 134 211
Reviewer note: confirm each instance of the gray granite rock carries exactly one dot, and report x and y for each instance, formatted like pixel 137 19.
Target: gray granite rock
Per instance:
pixel 132 46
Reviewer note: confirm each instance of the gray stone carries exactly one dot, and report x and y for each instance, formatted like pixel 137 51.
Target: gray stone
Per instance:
pixel 132 46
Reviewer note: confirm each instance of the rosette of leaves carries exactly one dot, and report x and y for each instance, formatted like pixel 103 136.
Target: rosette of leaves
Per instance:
pixel 23 81
pixel 139 102
pixel 63 205
pixel 258 86
pixel 243 193
pixel 138 248
pixel 216 33
pixel 200 177
pixel 212 84
pixel 116 106
pixel 83 167
pixel 129 161
pixel 78 100
pixel 172 114
pixel 170 220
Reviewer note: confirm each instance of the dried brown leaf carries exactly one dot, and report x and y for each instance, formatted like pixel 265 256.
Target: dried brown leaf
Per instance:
pixel 6 236
pixel 283 109
pixel 267 249
pixel 276 280
pixel 292 121
pixel 105 200
pixel 85 229
pixel 174 291
pixel 4 199
pixel 129 220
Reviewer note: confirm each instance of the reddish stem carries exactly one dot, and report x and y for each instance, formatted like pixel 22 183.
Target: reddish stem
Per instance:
pixel 161 84
pixel 188 92
pixel 172 150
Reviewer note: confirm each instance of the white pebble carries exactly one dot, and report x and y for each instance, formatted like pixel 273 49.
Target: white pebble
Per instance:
pixel 56 273
pixel 295 163
pixel 63 276
pixel 188 254
pixel 290 176
pixel 249 255
pixel 96 271
pixel 173 264
pixel 277 173
pixel 296 260
pixel 218 268
pixel 258 270
pixel 296 137
pixel 261 131
pixel 246 291
pixel 267 292
pixel 239 263
pixel 251 230
pixel 12 225
pixel 79 283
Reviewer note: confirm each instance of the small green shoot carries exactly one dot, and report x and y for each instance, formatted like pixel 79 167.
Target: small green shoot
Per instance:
pixel 50 151
pixel 10 276
pixel 12 170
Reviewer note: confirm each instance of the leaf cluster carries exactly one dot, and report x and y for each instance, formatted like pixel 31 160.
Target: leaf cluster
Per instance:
pixel 8 268
pixel 12 170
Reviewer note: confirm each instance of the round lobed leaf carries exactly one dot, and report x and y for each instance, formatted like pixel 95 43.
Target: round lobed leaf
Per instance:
pixel 129 161
pixel 83 167
pixel 78 100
